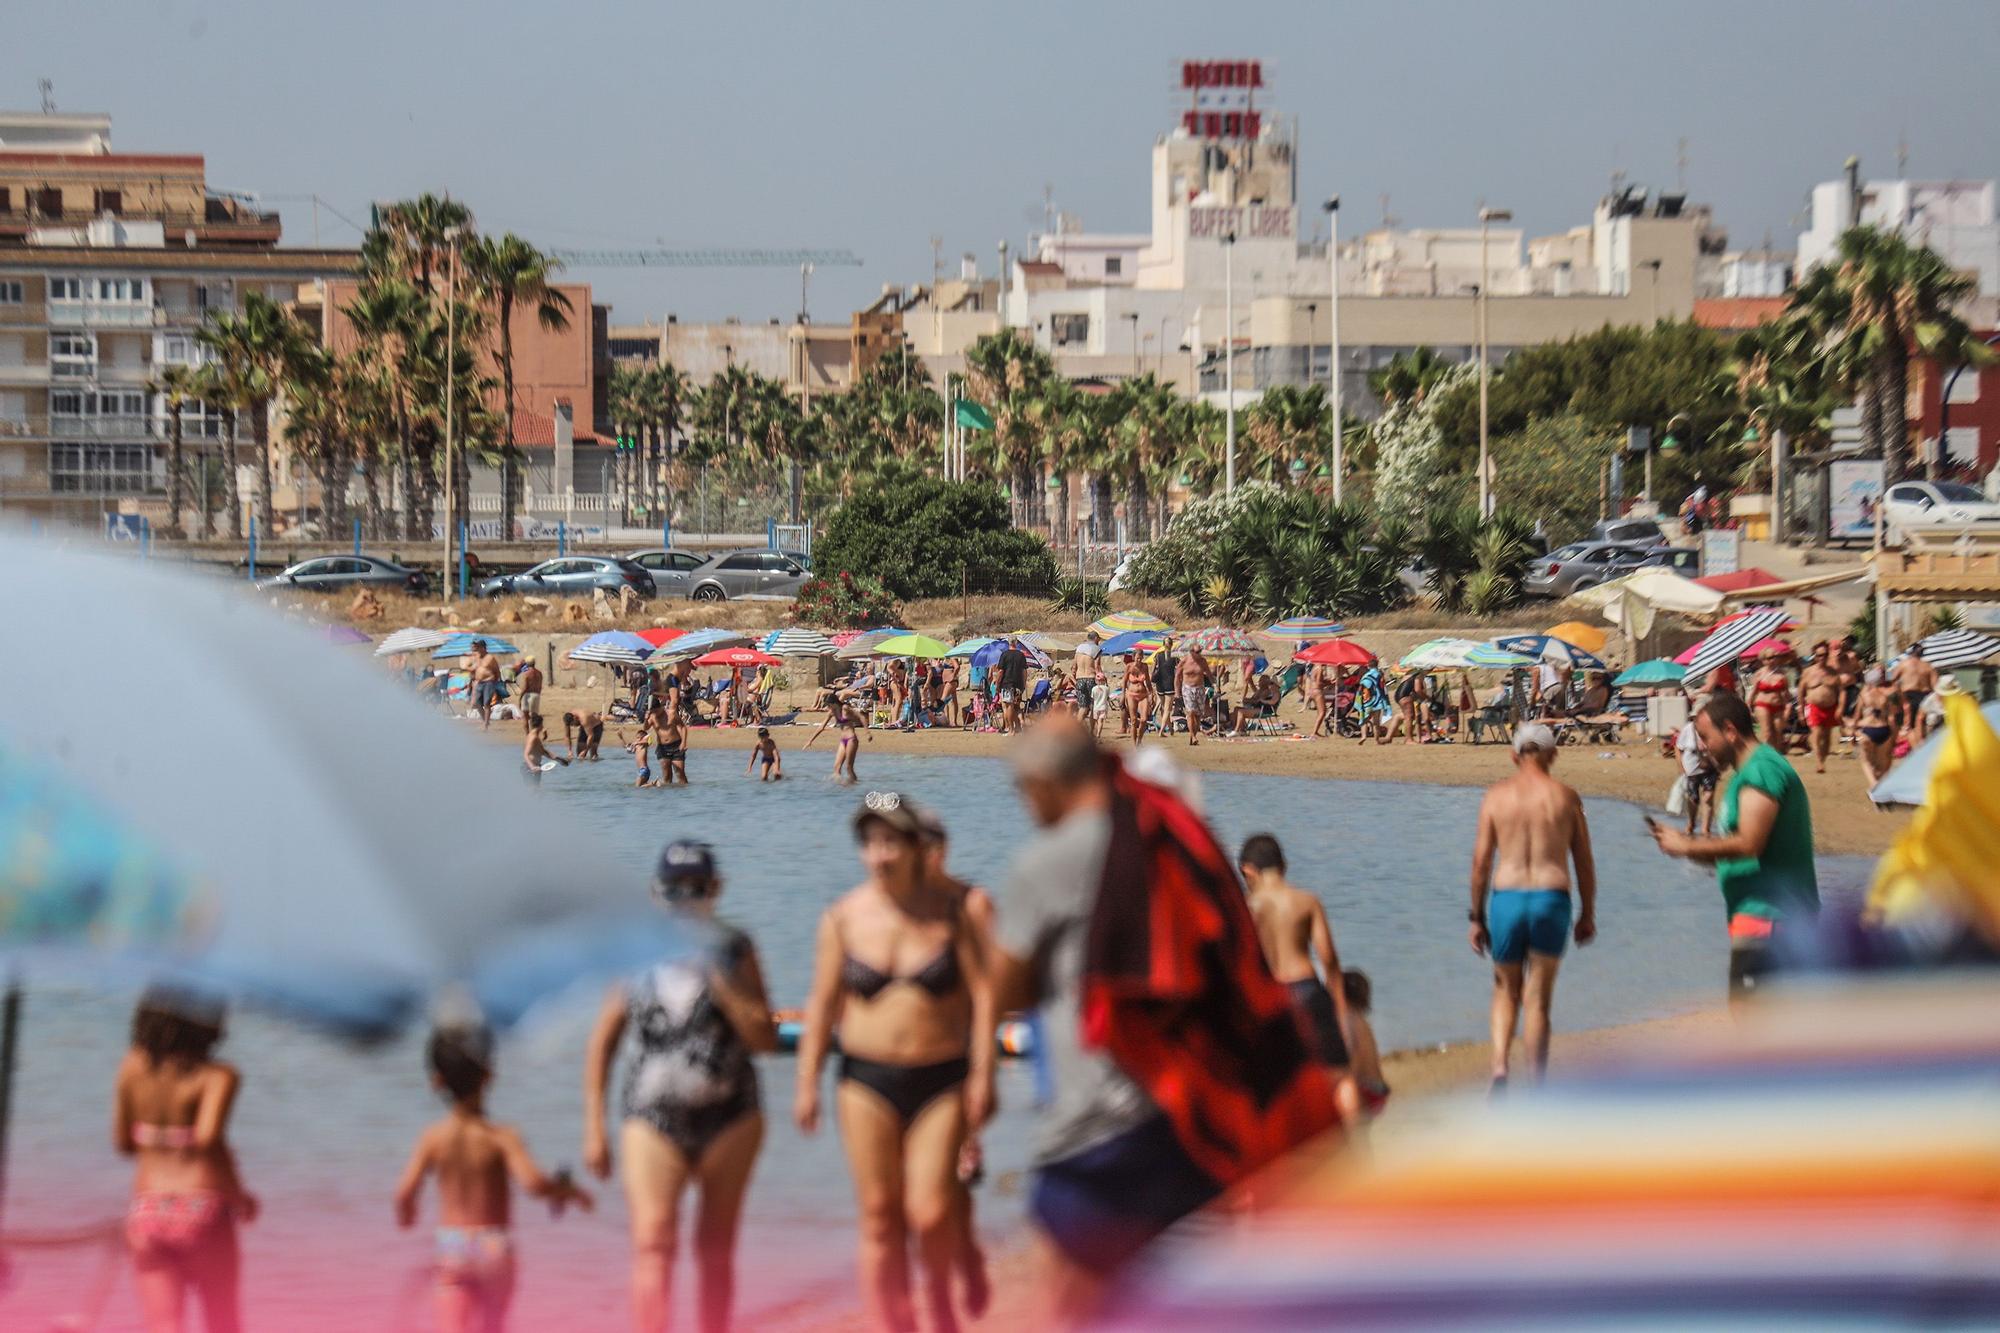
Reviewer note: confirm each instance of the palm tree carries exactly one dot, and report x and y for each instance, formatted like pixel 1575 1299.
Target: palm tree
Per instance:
pixel 622 405
pixel 1286 424
pixel 511 272
pixel 213 386
pixel 1408 376
pixel 255 347
pixel 1144 415
pixel 386 314
pixel 667 399
pixel 411 238
pixel 1008 375
pixel 176 386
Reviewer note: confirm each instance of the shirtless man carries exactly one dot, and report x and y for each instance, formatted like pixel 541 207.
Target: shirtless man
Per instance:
pixel 1191 679
pixel 484 672
pixel 1291 925
pixel 1915 679
pixel 583 730
pixel 528 680
pixel 535 750
pixel 1819 688
pixel 1848 666
pixel 1534 827
pixel 1088 665
pixel 670 748
pixel 1138 696
pixel 1875 726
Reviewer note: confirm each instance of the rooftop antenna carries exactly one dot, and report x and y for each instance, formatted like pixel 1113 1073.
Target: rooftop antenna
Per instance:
pixel 1389 220
pixel 937 263
pixel 48 91
pixel 1681 166
pixel 1902 154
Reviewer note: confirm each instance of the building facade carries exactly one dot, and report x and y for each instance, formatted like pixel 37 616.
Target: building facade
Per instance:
pixel 1956 218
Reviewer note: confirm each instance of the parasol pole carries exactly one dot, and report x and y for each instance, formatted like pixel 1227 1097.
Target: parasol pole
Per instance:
pixel 10 1024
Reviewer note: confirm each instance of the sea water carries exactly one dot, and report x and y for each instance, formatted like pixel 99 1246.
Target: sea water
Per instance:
pixel 322 1128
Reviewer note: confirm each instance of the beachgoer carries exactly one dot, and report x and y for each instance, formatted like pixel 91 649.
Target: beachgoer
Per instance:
pixel 765 752
pixel 171 1116
pixel 1365 1056
pixel 1596 697
pixel 1292 927
pixel 1371 700
pixel 690 1113
pixel 1915 679
pixel 642 752
pixel 1771 692
pixel 1260 700
pixel 1192 677
pixel 1013 672
pixel 483 670
pixel 844 716
pixel 583 733
pixel 528 681
pixel 1698 775
pixel 1531 828
pixel 1412 697
pixel 535 750
pixel 670 748
pixel 1138 697
pixel 1820 693
pixel 1110 1173
pixel 947 693
pixel 1874 726
pixel 1848 666
pixel 474 1160
pixel 1166 670
pixel 1763 857
pixel 897 968
pixel 1088 664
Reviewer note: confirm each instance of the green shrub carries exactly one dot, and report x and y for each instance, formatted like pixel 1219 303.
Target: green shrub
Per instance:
pixel 924 537
pixel 1087 596
pixel 844 601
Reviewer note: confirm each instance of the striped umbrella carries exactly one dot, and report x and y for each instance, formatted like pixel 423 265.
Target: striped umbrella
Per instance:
pixel 1305 629
pixel 612 645
pixel 735 658
pixel 412 640
pixel 1133 641
pixel 1119 622
pixel 797 642
pixel 660 635
pixel 460 645
pixel 1048 643
pixel 1222 641
pixel 866 643
pixel 1440 655
pixel 967 647
pixel 1949 649
pixel 1492 655
pixel 1730 641
pixel 1548 648
pixel 696 642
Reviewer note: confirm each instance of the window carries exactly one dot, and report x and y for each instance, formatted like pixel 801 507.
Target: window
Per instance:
pixel 65 289
pixel 109 201
pixel 12 292
pixel 1958 493
pixel 101 469
pixel 681 560
pixel 6 199
pixel 48 202
pixel 741 562
pixel 1114 265
pixel 178 349
pixel 121 289
pixel 73 355
pixel 1067 329
pixel 1910 495
pixel 71 402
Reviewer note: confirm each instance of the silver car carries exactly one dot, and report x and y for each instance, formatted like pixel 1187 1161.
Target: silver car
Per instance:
pixel 1578 566
pixel 338 573
pixel 572 576
pixel 670 567
pixel 765 575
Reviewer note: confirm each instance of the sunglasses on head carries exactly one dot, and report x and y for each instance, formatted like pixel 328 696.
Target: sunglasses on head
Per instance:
pixel 883 801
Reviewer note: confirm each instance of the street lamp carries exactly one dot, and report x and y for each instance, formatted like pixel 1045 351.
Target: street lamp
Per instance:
pixel 1333 331
pixel 1487 216
pixel 1229 351
pixel 1134 317
pixel 1653 302
pixel 451 235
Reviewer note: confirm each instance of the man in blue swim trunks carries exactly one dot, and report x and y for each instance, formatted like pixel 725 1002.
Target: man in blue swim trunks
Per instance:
pixel 1531 828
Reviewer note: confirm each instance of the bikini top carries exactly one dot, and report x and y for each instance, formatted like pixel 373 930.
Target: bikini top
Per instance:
pixel 163 1136
pixel 1770 686
pixel 940 976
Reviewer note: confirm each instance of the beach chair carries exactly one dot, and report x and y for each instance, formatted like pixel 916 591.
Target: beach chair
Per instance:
pixel 1491 718
pixel 1038 697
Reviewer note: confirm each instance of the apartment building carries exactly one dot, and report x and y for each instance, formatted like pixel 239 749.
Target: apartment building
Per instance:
pixel 109 264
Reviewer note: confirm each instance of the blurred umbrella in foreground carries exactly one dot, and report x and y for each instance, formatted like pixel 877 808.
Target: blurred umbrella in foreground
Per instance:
pixel 1943 863
pixel 279 823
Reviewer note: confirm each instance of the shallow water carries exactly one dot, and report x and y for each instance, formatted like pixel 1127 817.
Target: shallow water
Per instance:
pixel 322 1127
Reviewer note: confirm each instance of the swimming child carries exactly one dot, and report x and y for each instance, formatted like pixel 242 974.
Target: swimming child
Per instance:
pixel 765 751
pixel 473 1159
pixel 642 751
pixel 1365 1059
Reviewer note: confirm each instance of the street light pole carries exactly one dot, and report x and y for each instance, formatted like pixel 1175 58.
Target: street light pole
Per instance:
pixel 1134 317
pixel 1333 335
pixel 1229 369
pixel 1653 299
pixel 1487 216
pixel 450 369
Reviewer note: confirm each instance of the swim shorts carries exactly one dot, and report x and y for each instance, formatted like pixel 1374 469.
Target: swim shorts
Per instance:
pixel 1524 921
pixel 1106 1203
pixel 1194 698
pixel 1322 1024
pixel 485 694
pixel 1821 717
pixel 531 703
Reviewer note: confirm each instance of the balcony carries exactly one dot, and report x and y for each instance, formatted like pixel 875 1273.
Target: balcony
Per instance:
pixel 63 426
pixel 14 376
pixel 103 315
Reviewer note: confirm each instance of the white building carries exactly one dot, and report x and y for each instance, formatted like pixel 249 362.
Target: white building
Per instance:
pixel 1954 218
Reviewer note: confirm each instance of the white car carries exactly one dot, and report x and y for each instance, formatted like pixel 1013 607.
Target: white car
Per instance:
pixel 1937 507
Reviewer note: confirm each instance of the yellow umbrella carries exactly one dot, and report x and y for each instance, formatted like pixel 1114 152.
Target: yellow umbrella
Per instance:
pixel 1945 857
pixel 1587 637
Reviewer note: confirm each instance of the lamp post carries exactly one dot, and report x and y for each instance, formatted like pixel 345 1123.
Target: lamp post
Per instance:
pixel 1134 317
pixel 1229 367
pixel 451 235
pixel 1487 216
pixel 1333 333
pixel 1653 299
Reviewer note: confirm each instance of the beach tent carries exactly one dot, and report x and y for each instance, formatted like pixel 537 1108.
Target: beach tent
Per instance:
pixel 1634 601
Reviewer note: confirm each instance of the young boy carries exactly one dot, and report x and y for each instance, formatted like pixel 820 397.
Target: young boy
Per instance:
pixel 1361 1048
pixel 765 752
pixel 1697 773
pixel 473 1159
pixel 642 751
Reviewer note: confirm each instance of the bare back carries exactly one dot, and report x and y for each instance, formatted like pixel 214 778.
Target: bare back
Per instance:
pixel 470 1158
pixel 1531 822
pixel 188 1102
pixel 1286 917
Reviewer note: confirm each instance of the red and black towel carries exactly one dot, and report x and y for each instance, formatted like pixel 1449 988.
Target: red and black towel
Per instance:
pixel 1176 991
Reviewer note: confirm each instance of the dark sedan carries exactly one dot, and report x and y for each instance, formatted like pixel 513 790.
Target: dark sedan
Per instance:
pixel 572 576
pixel 338 573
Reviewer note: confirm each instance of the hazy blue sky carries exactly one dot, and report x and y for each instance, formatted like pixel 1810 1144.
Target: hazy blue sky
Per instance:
pixel 876 125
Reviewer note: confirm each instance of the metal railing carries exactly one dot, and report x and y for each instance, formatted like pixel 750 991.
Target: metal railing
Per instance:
pixel 105 314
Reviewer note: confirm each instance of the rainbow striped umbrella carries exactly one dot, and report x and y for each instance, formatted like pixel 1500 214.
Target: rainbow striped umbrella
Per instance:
pixel 1305 629
pixel 1222 641
pixel 1122 622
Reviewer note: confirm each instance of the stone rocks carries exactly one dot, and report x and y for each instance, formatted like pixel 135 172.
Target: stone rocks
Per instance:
pixel 575 613
pixel 365 606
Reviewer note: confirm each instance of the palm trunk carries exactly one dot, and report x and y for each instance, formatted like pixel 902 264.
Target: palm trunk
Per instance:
pixel 176 471
pixel 1063 534
pixel 260 434
pixel 1896 415
pixel 406 466
pixel 232 494
pixel 1138 510
pixel 510 478
pixel 371 490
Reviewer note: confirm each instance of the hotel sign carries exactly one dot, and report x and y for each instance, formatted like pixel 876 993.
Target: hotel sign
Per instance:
pixel 1251 222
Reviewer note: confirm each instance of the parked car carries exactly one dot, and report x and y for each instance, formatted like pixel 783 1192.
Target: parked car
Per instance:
pixel 1937 506
pixel 733 574
pixel 1683 560
pixel 337 573
pixel 1629 532
pixel 1580 565
pixel 572 576
pixel 669 566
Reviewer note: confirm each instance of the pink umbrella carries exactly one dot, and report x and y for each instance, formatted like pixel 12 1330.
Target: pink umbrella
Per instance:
pixel 735 657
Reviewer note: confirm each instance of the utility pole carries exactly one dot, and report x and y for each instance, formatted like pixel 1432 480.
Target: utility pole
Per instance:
pixel 1487 216
pixel 805 379
pixel 1333 332
pixel 1229 370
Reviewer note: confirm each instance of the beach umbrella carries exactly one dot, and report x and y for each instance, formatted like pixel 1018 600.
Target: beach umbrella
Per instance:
pixel 1118 622
pixel 339 863
pixel 1439 655
pixel 343 636
pixel 411 640
pixel 1305 629
pixel 989 656
pixel 696 642
pixel 1048 643
pixel 1788 625
pixel 1494 658
pixel 1549 648
pixel 1739 580
pixel 1950 649
pixel 1335 652
pixel 1909 781
pixel 735 658
pixel 864 643
pixel 1222 641
pixel 1633 601
pixel 1731 640
pixel 1133 641
pixel 1587 637
pixel 460 645
pixel 911 645
pixel 797 641
pixel 660 635
pixel 967 647
pixel 1658 671
pixel 612 645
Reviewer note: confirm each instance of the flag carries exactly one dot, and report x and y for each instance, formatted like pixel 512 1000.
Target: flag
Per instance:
pixel 971 415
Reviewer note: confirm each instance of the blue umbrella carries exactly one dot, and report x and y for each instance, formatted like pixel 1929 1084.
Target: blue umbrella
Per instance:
pixel 989 656
pixel 1548 648
pixel 611 645
pixel 460 645
pixel 1659 671
pixel 340 860
pixel 1909 780
pixel 968 647
pixel 1132 641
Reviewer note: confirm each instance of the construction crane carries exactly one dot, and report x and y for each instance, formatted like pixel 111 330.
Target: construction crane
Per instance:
pixel 660 258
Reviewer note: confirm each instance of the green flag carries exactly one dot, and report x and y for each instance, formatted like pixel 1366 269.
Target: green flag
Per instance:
pixel 971 415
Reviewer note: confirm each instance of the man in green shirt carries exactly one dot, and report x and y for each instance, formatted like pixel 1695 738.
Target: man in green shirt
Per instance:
pixel 1763 857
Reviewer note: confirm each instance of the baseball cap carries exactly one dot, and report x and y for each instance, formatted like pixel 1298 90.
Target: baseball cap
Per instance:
pixel 685 865
pixel 893 809
pixel 1534 736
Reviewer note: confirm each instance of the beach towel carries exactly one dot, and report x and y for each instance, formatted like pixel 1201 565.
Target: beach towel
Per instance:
pixel 1177 993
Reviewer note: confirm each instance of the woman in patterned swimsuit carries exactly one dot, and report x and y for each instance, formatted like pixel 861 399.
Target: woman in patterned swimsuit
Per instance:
pixel 690 1112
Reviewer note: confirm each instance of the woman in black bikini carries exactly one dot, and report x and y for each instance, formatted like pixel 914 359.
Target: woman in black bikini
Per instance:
pixel 1875 726
pixel 898 967
pixel 690 1112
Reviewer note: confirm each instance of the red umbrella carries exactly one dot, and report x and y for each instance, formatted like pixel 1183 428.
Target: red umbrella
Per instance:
pixel 735 657
pixel 659 637
pixel 1335 652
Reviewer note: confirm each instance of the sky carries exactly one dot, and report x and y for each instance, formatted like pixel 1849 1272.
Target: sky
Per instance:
pixel 876 126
